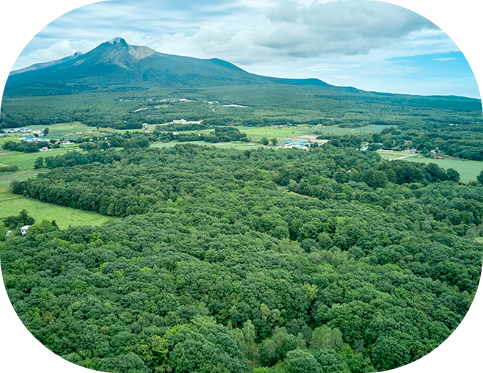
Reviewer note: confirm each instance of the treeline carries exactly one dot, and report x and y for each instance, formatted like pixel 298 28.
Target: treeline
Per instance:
pixel 8 168
pixel 24 146
pixel 134 140
pixel 221 270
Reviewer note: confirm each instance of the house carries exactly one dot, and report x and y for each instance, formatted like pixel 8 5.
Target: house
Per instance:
pixel 183 121
pixel 24 229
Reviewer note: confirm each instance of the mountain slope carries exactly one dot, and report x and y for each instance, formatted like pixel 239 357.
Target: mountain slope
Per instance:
pixel 118 66
pixel 42 65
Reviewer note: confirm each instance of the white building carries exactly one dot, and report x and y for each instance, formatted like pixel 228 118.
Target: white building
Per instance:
pixel 24 229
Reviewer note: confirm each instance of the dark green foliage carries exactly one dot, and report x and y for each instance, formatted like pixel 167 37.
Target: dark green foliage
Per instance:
pixel 18 221
pixel 299 361
pixel 11 168
pixel 214 266
pixel 480 178
pixel 39 162
pixel 24 146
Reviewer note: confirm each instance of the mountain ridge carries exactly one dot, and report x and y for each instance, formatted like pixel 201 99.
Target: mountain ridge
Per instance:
pixel 116 65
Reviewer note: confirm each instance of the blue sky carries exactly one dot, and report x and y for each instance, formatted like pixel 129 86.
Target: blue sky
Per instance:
pixel 369 45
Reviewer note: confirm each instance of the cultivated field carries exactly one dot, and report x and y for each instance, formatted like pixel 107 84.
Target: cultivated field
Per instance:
pixel 234 144
pixel 63 216
pixel 395 155
pixel 468 170
pixel 335 129
pixel 257 133
pixel 25 161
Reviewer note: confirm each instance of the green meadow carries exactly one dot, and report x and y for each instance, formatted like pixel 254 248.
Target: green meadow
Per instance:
pixel 236 145
pixel 396 155
pixel 468 170
pixel 63 216
pixel 25 161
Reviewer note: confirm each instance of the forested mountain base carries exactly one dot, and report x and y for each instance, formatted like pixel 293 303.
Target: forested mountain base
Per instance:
pixel 217 265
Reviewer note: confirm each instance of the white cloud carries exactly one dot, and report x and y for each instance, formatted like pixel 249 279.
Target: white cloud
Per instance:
pixel 444 59
pixel 56 51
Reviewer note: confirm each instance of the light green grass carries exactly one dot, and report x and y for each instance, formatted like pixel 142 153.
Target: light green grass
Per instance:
pixel 10 137
pixel 257 133
pixel 395 155
pixel 468 170
pixel 335 129
pixel 25 161
pixel 269 132
pixel 236 145
pixel 63 216
pixel 61 131
pixel 6 179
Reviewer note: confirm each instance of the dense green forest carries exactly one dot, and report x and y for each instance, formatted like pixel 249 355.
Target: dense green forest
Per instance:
pixel 267 260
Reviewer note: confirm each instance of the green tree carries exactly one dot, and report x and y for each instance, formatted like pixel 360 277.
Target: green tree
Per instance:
pixel 39 162
pixel 299 361
pixel 3 231
pixel 389 354
pixel 325 337
pixel 452 175
pixel 480 178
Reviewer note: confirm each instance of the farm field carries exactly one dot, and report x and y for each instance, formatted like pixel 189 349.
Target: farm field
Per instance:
pixel 25 161
pixel 341 130
pixel 61 131
pixel 396 155
pixel 63 216
pixel 236 145
pixel 468 170
pixel 7 178
pixel 256 133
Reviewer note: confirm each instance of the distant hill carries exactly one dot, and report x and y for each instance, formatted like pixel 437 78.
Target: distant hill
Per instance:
pixel 117 66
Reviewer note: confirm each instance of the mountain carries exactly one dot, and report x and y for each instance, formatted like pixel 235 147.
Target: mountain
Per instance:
pixel 41 65
pixel 117 66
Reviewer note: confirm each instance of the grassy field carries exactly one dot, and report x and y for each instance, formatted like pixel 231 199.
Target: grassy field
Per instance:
pixel 373 128
pixel 6 179
pixel 25 161
pixel 236 145
pixel 468 170
pixel 62 131
pixel 395 155
pixel 63 216
pixel 256 133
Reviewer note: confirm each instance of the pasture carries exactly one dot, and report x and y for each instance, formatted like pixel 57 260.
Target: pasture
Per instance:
pixel 25 161
pixel 396 155
pixel 257 133
pixel 7 178
pixel 63 216
pixel 233 145
pixel 468 170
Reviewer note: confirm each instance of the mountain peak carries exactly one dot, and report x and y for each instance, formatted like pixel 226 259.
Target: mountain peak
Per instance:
pixel 117 41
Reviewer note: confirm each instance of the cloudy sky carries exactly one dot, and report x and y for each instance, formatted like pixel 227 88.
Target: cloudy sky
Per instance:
pixel 369 45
